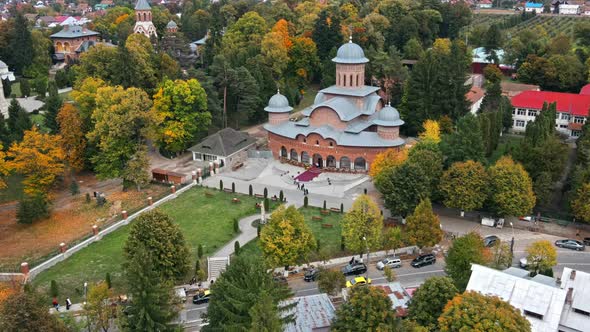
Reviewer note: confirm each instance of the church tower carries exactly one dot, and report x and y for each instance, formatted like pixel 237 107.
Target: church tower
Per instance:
pixel 350 66
pixel 143 19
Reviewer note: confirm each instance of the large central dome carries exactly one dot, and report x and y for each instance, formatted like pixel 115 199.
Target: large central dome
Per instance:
pixel 350 53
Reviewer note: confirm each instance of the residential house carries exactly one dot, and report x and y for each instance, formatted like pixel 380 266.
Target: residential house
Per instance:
pixel 312 313
pixel 71 41
pixel 533 7
pixel 572 110
pixel 484 4
pixel 481 59
pixel 227 146
pixel 566 9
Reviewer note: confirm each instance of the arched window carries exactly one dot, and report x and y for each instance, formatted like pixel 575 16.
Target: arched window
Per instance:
pixel 304 140
pixel 344 84
pixel 357 80
pixel 330 161
pixel 345 162
pixel 294 155
pixel 304 157
pixel 144 16
pixel 283 152
pixel 351 84
pixel 331 144
pixel 317 142
pixel 360 163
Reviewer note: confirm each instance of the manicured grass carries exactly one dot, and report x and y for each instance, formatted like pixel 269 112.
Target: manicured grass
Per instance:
pixel 15 89
pixel 13 190
pixel 506 144
pixel 329 237
pixel 203 220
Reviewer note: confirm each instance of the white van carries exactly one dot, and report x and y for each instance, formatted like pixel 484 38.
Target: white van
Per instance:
pixel 392 262
pixel 180 293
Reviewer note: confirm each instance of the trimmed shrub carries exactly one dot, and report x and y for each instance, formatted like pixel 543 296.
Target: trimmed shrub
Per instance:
pixel 305 201
pixel 250 191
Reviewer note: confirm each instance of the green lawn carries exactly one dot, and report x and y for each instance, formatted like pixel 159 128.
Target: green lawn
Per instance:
pixel 329 237
pixel 203 220
pixel 13 190
pixel 506 144
pixel 15 89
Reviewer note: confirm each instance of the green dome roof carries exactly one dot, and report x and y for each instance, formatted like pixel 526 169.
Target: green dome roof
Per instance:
pixel 350 53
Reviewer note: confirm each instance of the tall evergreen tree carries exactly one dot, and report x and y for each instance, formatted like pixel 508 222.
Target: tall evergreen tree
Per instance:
pixel 4 133
pixel 326 33
pixel 21 54
pixel 151 308
pixel 18 121
pixel 465 143
pixel 52 106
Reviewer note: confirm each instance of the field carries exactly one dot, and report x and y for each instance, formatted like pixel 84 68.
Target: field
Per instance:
pixel 553 25
pixel 203 220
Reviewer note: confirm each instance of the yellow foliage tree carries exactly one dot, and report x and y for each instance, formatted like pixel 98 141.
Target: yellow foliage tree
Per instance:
pixel 362 225
pixel 386 160
pixel 286 240
pixel 4 167
pixel 431 131
pixel 73 140
pixel 541 256
pixel 40 158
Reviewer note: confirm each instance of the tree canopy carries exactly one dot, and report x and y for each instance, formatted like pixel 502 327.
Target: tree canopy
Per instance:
pixel 423 226
pixel 362 225
pixel 511 188
pixel 465 185
pixel 367 309
pixel 465 250
pixel 430 299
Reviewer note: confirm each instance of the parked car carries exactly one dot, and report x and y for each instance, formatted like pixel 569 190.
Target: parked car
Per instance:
pixel 423 260
pixel 587 241
pixel 570 244
pixel 180 294
pixel 523 262
pixel 354 269
pixel 358 281
pixel 280 279
pixel 392 262
pixel 202 297
pixel 311 275
pixel 490 240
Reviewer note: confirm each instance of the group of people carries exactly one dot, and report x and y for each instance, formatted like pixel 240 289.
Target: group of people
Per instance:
pixel 302 187
pixel 56 304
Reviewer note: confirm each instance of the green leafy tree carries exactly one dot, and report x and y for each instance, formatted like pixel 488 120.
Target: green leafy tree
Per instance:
pixel 286 239
pixel 501 256
pixel 156 232
pixel 392 238
pixel 541 256
pixel 243 286
pixel 151 306
pixel 53 104
pixel 465 143
pixel 511 188
pixel 25 87
pixel 32 208
pixel 181 111
pixel 473 311
pixel 403 187
pixel 431 163
pixel 326 33
pixel 377 313
pixel 362 225
pixel 582 33
pixel 430 299
pixel 98 308
pixel 465 250
pixel 581 203
pixel 423 226
pixel 464 185
pixel 331 281
pixel 26 311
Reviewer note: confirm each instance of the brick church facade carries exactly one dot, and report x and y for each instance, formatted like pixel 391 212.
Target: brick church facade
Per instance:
pixel 345 128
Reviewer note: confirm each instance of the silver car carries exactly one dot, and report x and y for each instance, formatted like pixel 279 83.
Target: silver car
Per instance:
pixel 392 262
pixel 570 244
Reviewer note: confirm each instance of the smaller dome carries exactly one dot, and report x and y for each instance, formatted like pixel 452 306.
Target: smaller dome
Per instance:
pixel 171 25
pixel 388 116
pixel 278 104
pixel 350 53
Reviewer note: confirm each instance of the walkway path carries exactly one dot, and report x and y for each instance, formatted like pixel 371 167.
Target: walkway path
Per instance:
pixel 247 234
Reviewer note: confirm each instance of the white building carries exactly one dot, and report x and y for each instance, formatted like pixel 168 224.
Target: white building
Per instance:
pixel 227 146
pixel 570 9
pixel 572 109
pixel 533 7
pixel 549 305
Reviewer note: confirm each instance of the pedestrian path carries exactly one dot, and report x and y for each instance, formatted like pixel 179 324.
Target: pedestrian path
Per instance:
pixel 247 234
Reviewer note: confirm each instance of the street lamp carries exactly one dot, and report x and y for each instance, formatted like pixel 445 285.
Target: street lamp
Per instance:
pixel 512 242
pixel 86 299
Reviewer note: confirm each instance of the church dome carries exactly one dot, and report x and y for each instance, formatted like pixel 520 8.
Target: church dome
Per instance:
pixel 278 104
pixel 171 25
pixel 388 116
pixel 350 53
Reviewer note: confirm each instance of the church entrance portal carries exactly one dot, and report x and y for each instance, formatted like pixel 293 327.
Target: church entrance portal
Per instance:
pixel 318 161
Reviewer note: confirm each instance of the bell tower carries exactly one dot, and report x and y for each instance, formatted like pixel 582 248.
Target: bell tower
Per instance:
pixel 143 19
pixel 350 66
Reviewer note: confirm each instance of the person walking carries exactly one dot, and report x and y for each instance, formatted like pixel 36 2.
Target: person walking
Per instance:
pixel 55 304
pixel 68 303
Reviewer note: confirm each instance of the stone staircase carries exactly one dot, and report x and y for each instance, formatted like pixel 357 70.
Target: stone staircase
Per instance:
pixel 215 266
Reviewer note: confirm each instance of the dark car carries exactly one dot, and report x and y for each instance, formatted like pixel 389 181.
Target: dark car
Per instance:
pixel 587 241
pixel 490 240
pixel 570 244
pixel 423 260
pixel 354 269
pixel 311 275
pixel 280 279
pixel 202 297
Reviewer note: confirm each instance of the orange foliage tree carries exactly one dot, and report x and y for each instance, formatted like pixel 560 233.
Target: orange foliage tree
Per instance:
pixel 386 160
pixel 39 157
pixel 73 140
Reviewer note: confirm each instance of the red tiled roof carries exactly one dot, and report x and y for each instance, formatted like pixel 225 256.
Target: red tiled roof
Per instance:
pixel 566 102
pixel 474 94
pixel 585 90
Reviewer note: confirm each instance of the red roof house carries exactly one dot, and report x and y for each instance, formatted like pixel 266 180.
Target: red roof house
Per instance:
pixel 575 104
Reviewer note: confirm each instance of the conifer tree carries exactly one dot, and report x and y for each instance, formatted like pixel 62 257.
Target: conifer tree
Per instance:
pixel 465 143
pixel 326 33
pixel 52 106
pixel 21 45
pixel 18 121
pixel 423 226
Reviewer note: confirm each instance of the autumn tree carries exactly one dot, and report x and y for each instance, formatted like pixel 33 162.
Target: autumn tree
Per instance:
pixel 464 185
pixel 26 311
pixel 392 239
pixel 121 126
pixel 303 59
pixel 387 159
pixel 431 131
pixel 286 239
pixel 541 256
pixel 84 95
pixel 181 111
pixel 244 285
pixel 465 250
pixel 156 232
pixel 500 256
pixel 423 226
pixel 331 281
pixel 362 225
pixel 511 188
pixel 275 47
pixel 377 313
pixel 39 159
pixel 430 299
pixel 403 187
pixel 465 143
pixel 5 167
pixel 472 311
pixel 98 308
pixel 581 204
pixel 73 141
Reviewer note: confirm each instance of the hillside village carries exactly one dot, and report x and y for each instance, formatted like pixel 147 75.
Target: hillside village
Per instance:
pixel 290 165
